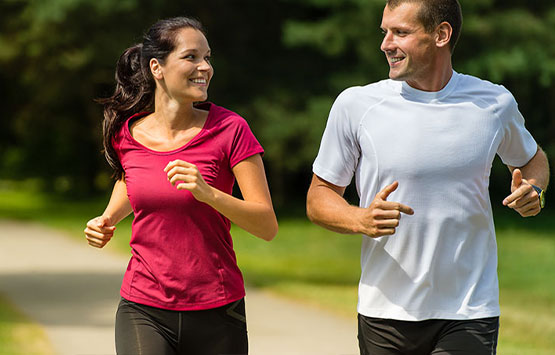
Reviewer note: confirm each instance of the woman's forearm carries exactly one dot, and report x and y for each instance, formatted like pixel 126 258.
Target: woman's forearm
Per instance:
pixel 119 206
pixel 257 218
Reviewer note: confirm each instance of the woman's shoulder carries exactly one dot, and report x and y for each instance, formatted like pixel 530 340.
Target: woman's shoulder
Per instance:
pixel 223 117
pixel 123 132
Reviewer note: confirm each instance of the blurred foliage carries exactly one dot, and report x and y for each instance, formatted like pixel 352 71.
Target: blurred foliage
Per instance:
pixel 280 64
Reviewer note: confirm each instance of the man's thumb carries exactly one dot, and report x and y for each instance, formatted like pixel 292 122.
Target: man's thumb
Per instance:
pixel 386 191
pixel 517 178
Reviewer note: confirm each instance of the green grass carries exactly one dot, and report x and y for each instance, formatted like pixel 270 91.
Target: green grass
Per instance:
pixel 304 262
pixel 19 335
pixel 321 268
pixel 527 285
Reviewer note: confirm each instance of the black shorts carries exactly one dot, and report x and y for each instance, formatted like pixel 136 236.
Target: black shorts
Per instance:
pixel 148 330
pixel 377 336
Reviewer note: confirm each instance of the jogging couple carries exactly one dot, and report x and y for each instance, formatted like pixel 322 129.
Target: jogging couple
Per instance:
pixel 420 146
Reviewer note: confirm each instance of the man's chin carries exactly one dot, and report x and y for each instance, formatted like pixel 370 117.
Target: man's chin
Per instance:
pixel 397 76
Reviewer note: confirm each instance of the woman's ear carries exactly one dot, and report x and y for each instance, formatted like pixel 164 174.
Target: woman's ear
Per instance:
pixel 156 69
pixel 443 34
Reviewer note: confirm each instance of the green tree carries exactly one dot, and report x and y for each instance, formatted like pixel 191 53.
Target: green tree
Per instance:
pixel 57 56
pixel 280 64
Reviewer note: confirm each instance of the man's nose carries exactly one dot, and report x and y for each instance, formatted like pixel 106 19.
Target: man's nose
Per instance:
pixel 387 43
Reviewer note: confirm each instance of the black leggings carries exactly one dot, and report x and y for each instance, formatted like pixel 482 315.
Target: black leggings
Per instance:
pixel 377 336
pixel 144 330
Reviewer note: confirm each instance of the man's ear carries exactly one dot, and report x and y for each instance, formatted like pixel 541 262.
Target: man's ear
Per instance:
pixel 443 34
pixel 156 69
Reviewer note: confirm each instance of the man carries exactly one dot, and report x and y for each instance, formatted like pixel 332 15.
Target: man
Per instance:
pixel 420 147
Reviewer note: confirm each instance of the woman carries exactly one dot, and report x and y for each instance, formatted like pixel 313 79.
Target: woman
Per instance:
pixel 177 161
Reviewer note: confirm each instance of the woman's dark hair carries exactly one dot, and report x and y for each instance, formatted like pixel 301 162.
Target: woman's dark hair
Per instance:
pixel 135 85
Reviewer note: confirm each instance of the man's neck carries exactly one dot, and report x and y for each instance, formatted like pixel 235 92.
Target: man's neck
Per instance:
pixel 440 75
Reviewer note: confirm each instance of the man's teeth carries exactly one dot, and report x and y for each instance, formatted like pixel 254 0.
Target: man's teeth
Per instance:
pixel 199 81
pixel 395 60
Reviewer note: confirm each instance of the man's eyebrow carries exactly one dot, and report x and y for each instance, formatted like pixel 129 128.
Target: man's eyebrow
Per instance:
pixel 402 27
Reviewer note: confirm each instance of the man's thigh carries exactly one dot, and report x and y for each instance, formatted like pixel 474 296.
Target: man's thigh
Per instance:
pixel 475 336
pixel 387 336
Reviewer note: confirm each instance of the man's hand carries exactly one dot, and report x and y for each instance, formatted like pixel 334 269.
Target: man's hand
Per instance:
pixel 523 198
pixel 382 216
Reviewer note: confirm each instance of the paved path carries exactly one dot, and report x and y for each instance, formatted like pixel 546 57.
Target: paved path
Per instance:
pixel 73 291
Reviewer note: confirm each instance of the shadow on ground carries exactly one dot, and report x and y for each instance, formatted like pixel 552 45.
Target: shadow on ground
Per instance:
pixel 65 299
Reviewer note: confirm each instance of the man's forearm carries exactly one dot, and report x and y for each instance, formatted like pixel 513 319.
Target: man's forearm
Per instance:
pixel 536 171
pixel 327 208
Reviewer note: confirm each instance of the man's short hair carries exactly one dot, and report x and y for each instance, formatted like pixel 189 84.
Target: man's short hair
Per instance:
pixel 434 12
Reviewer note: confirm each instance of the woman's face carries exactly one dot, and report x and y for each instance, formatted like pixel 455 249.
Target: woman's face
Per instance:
pixel 187 71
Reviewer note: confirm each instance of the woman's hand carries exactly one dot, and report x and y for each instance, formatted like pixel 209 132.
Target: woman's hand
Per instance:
pixel 99 231
pixel 186 176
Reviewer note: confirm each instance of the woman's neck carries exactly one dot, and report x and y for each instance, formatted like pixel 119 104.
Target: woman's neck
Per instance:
pixel 173 117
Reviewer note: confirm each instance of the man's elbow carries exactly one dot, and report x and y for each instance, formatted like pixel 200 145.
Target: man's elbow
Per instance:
pixel 311 211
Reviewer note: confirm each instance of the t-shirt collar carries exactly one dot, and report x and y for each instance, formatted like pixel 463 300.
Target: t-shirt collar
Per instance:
pixel 413 94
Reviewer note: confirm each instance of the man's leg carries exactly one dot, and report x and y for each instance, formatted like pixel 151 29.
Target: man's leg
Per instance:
pixel 473 336
pixel 377 336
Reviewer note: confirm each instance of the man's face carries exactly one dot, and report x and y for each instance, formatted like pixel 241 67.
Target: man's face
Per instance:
pixel 409 49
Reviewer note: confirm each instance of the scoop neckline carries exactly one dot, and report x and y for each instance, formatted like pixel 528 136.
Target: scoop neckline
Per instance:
pixel 168 152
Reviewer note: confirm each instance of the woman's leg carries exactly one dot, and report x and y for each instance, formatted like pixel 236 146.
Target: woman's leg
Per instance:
pixel 215 331
pixel 143 330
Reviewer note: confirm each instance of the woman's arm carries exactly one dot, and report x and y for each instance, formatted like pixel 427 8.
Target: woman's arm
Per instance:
pixel 100 229
pixel 254 213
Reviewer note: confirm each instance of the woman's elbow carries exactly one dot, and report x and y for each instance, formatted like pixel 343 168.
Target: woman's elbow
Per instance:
pixel 271 228
pixel 271 232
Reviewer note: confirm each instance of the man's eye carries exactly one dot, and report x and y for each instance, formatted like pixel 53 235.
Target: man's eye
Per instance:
pixel 208 58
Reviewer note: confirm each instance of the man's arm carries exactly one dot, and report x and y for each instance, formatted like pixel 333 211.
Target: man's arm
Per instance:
pixel 523 198
pixel 326 207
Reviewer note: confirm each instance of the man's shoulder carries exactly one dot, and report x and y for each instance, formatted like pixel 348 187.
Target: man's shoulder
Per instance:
pixel 475 86
pixel 485 94
pixel 367 95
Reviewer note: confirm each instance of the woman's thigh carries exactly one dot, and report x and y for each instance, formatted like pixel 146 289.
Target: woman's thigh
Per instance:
pixel 221 330
pixel 145 330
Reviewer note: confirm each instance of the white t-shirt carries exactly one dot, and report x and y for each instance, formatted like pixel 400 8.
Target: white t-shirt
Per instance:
pixel 441 263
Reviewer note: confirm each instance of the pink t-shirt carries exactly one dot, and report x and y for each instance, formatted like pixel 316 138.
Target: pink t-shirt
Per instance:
pixel 182 251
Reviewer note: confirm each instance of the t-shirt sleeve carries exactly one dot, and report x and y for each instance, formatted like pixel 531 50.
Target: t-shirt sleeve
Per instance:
pixel 339 151
pixel 244 143
pixel 517 145
pixel 117 141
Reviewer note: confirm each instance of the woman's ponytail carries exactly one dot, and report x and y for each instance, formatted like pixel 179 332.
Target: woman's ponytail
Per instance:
pixel 134 93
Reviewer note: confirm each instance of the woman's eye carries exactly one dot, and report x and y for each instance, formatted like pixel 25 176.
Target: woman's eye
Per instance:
pixel 208 58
